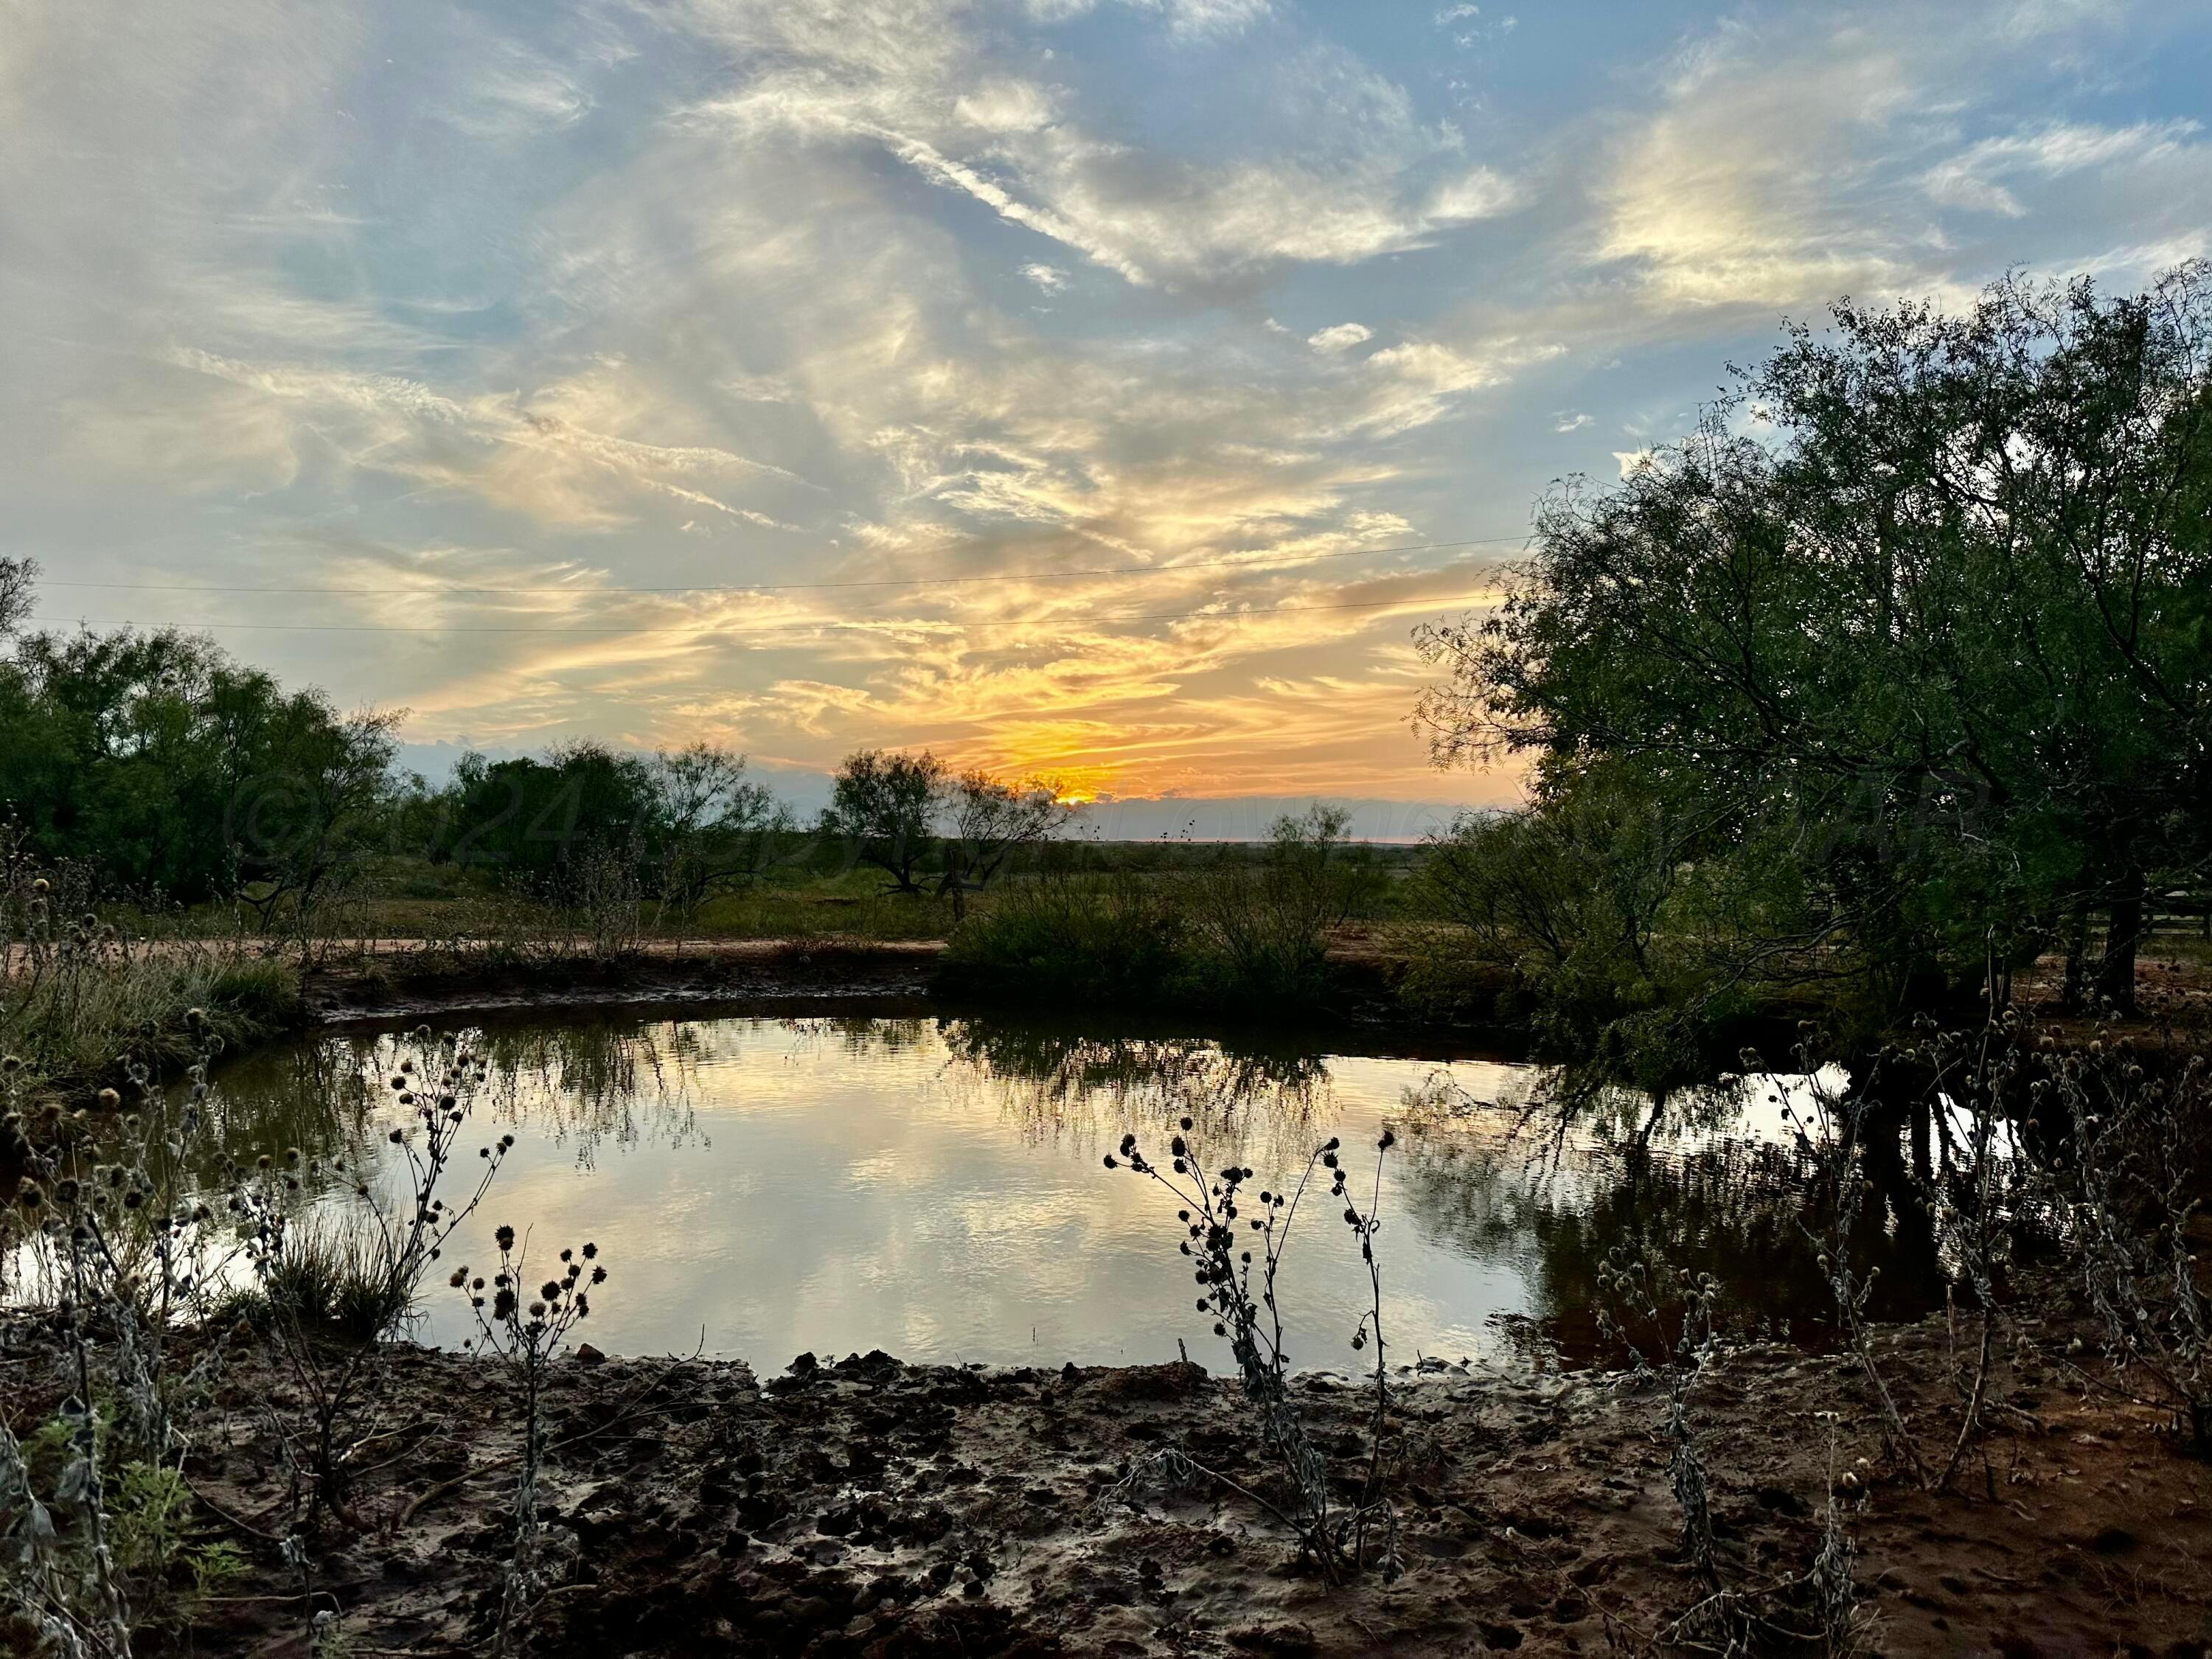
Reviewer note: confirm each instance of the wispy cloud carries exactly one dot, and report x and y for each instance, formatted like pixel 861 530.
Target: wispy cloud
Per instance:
pixel 1339 337
pixel 621 310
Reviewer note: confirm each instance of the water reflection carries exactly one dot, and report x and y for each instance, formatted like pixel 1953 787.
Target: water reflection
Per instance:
pixel 934 1186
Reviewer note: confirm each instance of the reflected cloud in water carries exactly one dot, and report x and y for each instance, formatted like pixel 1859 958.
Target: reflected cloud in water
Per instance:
pixel 934 1186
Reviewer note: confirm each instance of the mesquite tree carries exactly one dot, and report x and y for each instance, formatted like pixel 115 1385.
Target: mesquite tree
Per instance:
pixel 1923 609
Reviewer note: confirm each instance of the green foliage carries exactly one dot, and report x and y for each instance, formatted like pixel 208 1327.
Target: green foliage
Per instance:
pixel 1588 921
pixel 1914 636
pixel 155 1541
pixel 885 807
pixel 47 1448
pixel 675 829
pixel 148 1524
pixel 530 819
pixel 1083 938
pixel 215 1567
pixel 173 770
pixel 1264 924
pixel 1241 931
pixel 146 1521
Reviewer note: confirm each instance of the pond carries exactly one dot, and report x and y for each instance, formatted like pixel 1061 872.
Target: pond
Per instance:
pixel 760 1187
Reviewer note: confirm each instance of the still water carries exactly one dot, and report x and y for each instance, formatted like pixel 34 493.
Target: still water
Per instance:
pixel 762 1187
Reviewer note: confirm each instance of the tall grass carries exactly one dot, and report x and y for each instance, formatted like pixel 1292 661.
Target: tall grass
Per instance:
pixel 83 999
pixel 1083 938
pixel 1238 931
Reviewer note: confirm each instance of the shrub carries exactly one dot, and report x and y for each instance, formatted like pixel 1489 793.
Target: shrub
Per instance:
pixel 1245 931
pixel 1080 939
pixel 1263 924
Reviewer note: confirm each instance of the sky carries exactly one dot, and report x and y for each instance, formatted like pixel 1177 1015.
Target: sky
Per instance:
pixel 1103 389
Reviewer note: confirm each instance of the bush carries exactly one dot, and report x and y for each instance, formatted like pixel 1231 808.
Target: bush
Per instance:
pixel 1264 924
pixel 1086 939
pixel 83 998
pixel 1244 932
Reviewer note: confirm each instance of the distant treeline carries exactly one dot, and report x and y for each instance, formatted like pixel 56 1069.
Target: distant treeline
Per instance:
pixel 172 771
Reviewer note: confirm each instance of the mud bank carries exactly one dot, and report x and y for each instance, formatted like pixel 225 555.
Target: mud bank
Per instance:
pixel 410 979
pixel 864 1507
pixel 405 979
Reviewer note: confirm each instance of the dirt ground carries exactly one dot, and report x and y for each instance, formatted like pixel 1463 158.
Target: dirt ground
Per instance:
pixel 868 1508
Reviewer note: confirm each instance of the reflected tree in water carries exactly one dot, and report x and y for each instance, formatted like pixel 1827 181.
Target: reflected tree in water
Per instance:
pixel 1557 1192
pixel 1053 1082
pixel 582 1084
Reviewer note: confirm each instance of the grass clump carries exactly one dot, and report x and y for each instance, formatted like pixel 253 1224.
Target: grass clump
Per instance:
pixel 83 998
pixel 327 1282
pixel 1238 931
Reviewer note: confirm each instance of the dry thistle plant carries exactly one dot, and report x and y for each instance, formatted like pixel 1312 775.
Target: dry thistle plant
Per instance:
pixel 1833 1131
pixel 1238 1288
pixel 1636 1308
pixel 377 1269
pixel 2140 1139
pixel 1846 1626
pixel 1629 1313
pixel 125 1252
pixel 528 1328
pixel 1976 1194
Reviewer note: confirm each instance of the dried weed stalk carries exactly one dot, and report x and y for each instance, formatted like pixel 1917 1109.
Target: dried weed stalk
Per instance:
pixel 526 1328
pixel 1238 1287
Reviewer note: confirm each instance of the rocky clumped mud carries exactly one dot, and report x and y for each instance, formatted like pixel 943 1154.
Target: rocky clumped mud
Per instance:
pixel 865 1507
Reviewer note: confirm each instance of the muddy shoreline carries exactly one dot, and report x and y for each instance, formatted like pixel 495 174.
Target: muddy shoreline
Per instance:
pixel 400 979
pixel 404 982
pixel 408 981
pixel 859 1506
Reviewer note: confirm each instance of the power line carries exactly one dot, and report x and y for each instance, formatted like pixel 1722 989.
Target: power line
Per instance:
pixel 806 627
pixel 796 587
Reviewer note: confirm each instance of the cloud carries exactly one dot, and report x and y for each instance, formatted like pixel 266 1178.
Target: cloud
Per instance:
pixel 1190 20
pixel 580 303
pixel 1740 189
pixel 1339 337
pixel 1354 174
pixel 1980 177
pixel 1207 18
pixel 1781 166
pixel 1005 106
